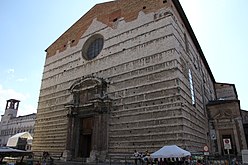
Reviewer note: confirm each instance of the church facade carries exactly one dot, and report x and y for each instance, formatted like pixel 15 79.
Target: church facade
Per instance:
pixel 128 75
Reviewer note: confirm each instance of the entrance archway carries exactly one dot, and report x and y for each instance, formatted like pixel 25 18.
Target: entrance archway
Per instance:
pixel 88 119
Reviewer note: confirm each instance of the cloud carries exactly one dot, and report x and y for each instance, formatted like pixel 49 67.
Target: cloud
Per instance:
pixel 9 74
pixel 6 94
pixel 21 79
pixel 10 71
pixel 26 109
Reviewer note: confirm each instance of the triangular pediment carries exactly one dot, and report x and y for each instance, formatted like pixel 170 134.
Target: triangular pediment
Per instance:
pixel 222 114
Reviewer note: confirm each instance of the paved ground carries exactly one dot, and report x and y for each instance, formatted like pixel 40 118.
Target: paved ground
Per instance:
pixel 84 163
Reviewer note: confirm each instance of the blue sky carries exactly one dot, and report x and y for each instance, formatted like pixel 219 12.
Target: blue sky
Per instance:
pixel 28 27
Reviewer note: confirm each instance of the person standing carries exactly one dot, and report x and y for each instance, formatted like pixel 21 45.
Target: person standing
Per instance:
pixel 136 157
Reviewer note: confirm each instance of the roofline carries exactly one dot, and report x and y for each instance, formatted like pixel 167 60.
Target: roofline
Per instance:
pixel 218 102
pixel 14 100
pixel 224 83
pixel 192 35
pixel 110 1
pixel 71 26
pixel 32 114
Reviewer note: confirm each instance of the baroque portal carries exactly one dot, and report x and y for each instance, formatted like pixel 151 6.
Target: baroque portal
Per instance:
pixel 88 120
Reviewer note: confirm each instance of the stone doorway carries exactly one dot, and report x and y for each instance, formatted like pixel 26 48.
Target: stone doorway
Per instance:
pixel 85 137
pixel 88 114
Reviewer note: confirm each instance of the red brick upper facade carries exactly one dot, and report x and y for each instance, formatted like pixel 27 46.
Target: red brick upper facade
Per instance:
pixel 106 13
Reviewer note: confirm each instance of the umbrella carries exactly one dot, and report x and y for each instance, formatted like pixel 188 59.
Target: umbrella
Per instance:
pixel 171 151
pixel 11 152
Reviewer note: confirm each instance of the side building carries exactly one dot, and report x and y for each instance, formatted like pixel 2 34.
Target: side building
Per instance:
pixel 245 123
pixel 128 75
pixel 226 122
pixel 11 124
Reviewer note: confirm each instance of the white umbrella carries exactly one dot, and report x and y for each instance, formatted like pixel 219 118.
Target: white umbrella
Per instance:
pixel 13 140
pixel 171 151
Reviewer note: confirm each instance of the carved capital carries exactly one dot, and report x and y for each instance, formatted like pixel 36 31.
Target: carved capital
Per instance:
pixel 72 110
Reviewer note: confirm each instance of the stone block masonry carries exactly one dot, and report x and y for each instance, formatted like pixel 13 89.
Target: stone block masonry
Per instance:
pixel 143 72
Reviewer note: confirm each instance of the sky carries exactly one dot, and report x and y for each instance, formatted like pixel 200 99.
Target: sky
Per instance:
pixel 28 27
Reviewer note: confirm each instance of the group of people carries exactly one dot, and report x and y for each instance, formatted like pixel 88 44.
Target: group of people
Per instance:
pixel 46 159
pixel 140 158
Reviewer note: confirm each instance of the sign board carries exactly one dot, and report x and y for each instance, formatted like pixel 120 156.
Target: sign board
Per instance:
pixel 213 134
pixel 206 153
pixel 205 148
pixel 227 144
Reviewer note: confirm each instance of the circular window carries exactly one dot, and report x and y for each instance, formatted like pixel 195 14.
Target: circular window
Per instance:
pixel 92 47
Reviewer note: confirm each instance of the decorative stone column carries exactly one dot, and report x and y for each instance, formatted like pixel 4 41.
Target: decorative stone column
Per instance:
pixel 218 139
pixel 69 152
pixel 100 135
